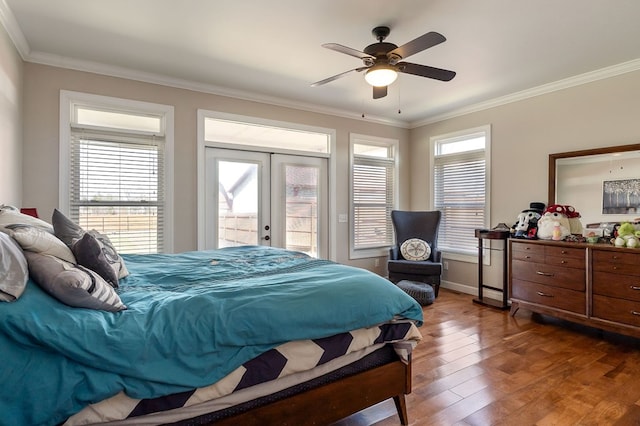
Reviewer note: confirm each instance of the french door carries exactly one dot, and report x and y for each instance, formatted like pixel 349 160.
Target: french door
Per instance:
pixel 258 198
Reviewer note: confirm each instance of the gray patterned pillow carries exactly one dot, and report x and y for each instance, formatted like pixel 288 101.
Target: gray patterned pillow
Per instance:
pixel 65 229
pixel 110 253
pixel 90 254
pixel 72 285
pixel 70 233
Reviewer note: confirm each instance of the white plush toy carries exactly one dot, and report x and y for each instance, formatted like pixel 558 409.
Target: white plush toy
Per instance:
pixel 554 220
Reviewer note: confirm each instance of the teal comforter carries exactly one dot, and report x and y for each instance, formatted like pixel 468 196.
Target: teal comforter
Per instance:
pixel 192 318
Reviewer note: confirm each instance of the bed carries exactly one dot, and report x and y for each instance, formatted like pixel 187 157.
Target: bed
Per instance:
pixel 242 335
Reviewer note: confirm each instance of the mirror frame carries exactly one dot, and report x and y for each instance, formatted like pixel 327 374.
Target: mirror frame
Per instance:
pixel 582 153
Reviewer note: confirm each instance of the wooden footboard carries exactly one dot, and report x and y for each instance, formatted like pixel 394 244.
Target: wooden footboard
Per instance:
pixel 334 401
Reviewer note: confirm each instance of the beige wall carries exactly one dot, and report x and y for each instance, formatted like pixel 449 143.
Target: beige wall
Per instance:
pixel 42 92
pixel 10 122
pixel 524 133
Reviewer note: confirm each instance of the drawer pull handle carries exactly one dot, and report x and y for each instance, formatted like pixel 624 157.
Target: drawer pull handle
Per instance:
pixel 634 287
pixel 563 261
pixel 527 257
pixel 544 294
pixel 563 252
pixel 545 274
pixel 635 313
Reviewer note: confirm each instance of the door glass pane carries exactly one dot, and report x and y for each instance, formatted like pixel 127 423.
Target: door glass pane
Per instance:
pixel 237 204
pixel 301 221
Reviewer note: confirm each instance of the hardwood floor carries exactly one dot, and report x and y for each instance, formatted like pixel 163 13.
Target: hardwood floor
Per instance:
pixel 479 366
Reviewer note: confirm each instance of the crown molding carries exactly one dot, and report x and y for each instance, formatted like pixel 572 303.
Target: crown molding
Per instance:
pixel 10 24
pixel 588 77
pixel 163 80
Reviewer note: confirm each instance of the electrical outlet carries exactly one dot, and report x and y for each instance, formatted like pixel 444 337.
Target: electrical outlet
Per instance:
pixel 445 265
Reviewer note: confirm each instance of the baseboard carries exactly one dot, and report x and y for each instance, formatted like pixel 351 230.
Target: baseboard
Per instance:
pixel 462 288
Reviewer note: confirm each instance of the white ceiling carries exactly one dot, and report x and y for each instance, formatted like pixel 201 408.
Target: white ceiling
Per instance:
pixel 271 50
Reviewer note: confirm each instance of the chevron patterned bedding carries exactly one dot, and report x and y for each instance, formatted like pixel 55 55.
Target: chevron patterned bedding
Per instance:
pixel 280 368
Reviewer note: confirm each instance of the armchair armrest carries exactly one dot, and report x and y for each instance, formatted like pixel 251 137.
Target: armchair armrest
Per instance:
pixel 437 256
pixel 394 253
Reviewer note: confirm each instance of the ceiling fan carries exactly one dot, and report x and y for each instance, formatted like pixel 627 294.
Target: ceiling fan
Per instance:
pixel 383 61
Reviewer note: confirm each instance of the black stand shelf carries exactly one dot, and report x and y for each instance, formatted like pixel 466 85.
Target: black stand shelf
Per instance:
pixel 492 234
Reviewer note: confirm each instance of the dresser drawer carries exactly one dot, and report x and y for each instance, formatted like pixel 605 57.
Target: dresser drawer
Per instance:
pixel 556 276
pixel 616 285
pixel 565 252
pixel 560 298
pixel 601 257
pixel 536 256
pixel 617 310
pixel 617 267
pixel 565 261
pixel 532 249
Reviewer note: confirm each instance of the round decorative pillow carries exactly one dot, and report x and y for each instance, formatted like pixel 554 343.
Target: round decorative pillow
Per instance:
pixel 415 249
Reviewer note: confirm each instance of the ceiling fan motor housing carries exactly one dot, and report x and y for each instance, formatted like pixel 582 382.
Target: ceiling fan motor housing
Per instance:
pixel 379 49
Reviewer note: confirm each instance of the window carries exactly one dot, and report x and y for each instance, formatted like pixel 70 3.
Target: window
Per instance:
pixel 460 187
pixel 269 135
pixel 115 169
pixel 373 189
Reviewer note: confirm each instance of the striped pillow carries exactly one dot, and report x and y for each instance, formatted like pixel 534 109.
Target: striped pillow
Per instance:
pixel 72 285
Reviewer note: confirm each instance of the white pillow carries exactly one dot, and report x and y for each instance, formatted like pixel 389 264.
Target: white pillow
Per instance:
pixel 38 240
pixel 14 272
pixel 415 249
pixel 11 216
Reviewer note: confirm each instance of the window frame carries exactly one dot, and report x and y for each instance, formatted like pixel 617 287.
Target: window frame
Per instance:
pixel 69 100
pixel 393 145
pixel 469 255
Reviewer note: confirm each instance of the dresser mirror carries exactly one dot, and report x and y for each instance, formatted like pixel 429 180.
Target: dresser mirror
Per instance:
pixel 602 184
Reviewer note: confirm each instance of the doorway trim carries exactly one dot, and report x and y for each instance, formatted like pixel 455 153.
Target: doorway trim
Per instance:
pixel 202 144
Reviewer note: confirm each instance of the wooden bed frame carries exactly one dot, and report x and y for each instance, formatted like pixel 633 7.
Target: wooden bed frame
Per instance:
pixel 334 401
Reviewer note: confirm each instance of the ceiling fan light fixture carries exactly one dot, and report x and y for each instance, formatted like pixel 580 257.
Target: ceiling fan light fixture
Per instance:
pixel 381 75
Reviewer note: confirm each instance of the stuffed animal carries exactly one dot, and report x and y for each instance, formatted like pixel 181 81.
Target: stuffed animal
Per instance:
pixel 627 236
pixel 527 222
pixel 575 225
pixel 554 223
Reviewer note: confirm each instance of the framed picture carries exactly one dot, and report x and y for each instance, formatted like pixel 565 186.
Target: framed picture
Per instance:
pixel 621 196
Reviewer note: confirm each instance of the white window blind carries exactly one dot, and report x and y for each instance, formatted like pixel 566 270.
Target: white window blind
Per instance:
pixel 117 187
pixel 373 183
pixel 460 194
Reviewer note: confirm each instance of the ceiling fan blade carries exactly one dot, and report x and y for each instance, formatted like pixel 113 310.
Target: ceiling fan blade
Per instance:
pixel 425 71
pixel 337 76
pixel 379 92
pixel 348 51
pixel 419 44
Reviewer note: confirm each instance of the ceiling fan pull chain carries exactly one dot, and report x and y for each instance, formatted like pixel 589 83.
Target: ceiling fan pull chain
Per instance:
pixel 398 86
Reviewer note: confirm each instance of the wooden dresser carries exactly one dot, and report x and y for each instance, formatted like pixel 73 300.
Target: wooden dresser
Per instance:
pixel 592 284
